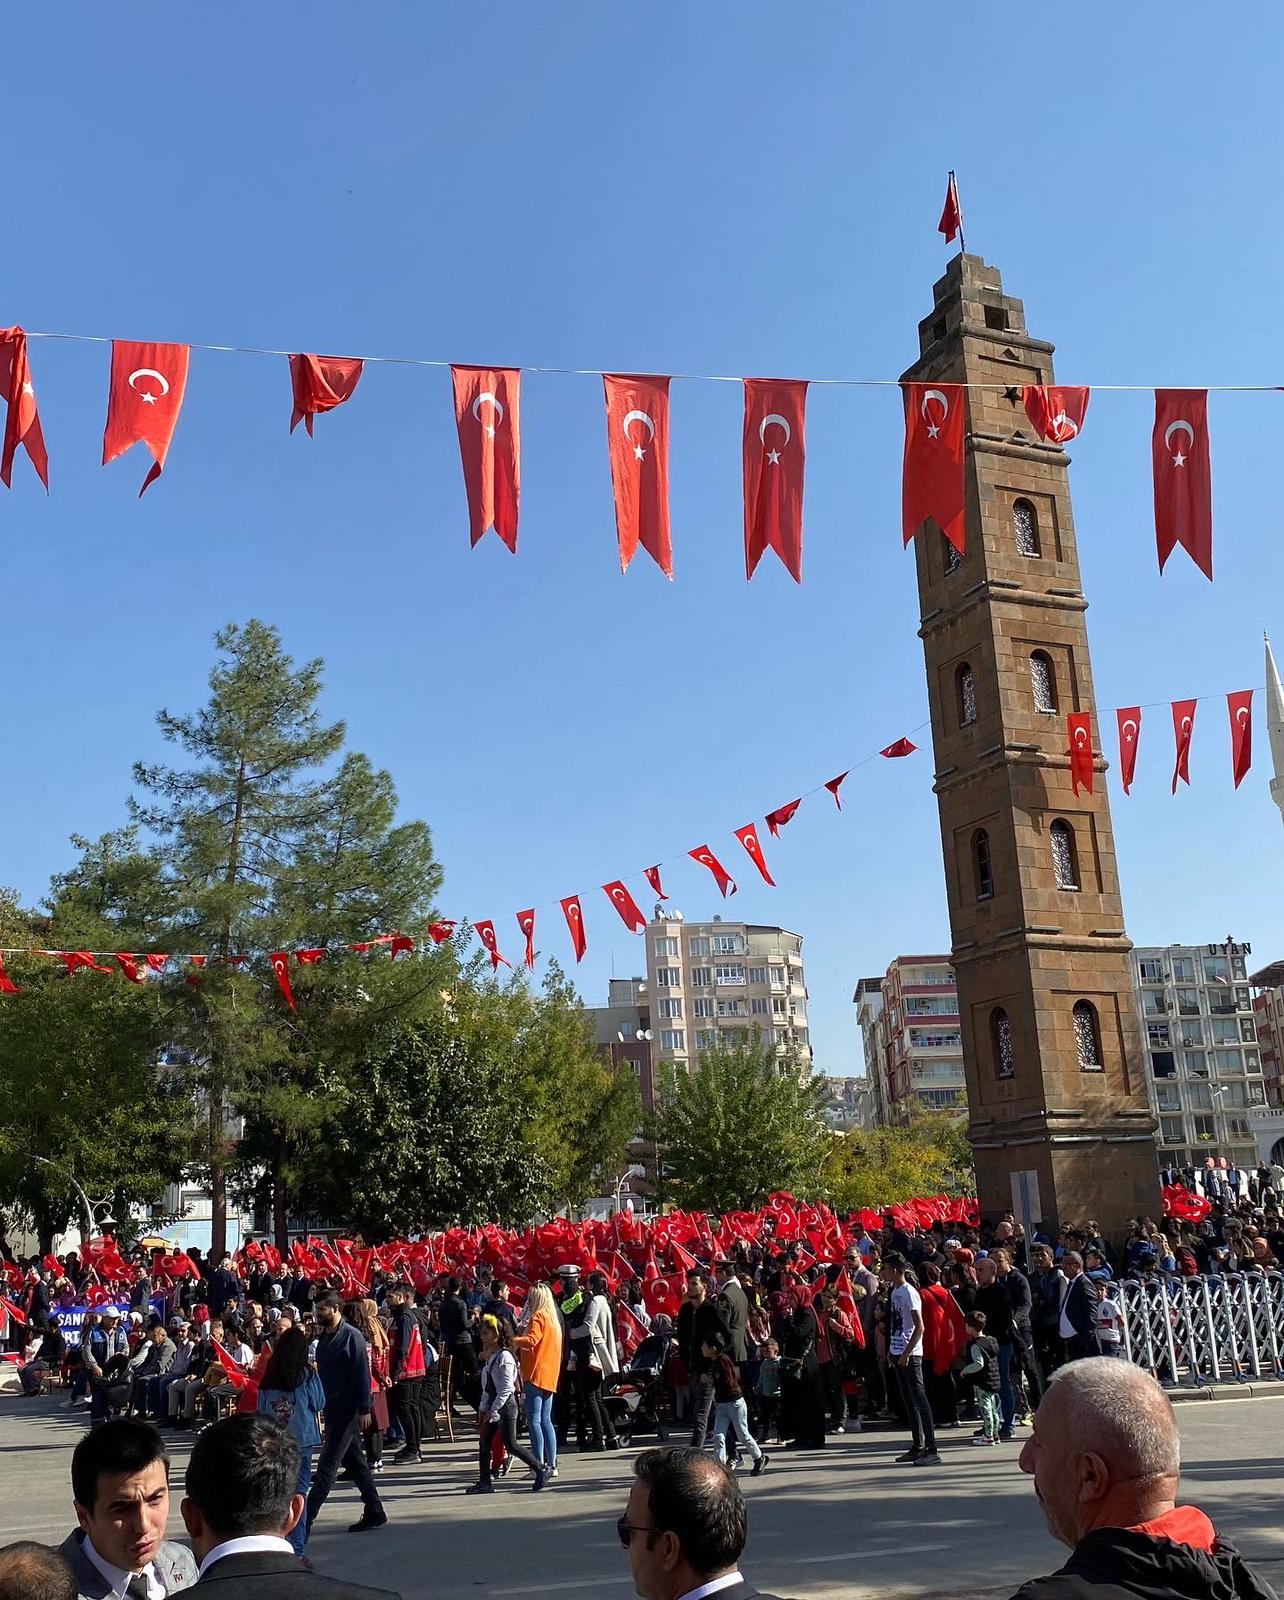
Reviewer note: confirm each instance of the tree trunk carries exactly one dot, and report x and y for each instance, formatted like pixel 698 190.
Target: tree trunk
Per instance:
pixel 218 1176
pixel 280 1198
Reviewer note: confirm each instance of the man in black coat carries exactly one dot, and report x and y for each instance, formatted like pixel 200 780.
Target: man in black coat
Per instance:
pixel 700 1322
pixel 1078 1310
pixel 241 1502
pixel 343 1365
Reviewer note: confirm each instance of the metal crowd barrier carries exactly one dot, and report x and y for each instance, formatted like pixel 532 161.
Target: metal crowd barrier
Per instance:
pixel 1193 1331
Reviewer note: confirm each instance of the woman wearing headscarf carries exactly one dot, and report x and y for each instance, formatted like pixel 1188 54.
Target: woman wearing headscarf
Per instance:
pixel 802 1394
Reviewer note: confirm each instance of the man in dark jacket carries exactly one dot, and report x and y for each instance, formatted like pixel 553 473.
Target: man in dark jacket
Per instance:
pixel 407 1367
pixel 734 1306
pixel 1078 1325
pixel 343 1365
pixel 1106 1461
pixel 700 1322
pixel 225 1287
pixel 1017 1285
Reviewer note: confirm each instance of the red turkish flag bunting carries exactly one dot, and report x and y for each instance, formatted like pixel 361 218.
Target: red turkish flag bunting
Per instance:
pixel 22 425
pixel 321 383
pixel 748 836
pixel 951 222
pixel 526 922
pixel 574 915
pixel 486 933
pixel 1183 476
pixel 775 409
pixel 488 417
pixel 932 471
pixel 7 985
pixel 399 944
pixel 902 747
pixel 198 962
pixel 281 967
pixel 129 966
pixel 147 386
pixel 637 436
pixel 440 931
pixel 1056 410
pixel 780 816
pixel 1079 732
pixel 156 961
pixel 76 959
pixel 626 905
pixel 1129 720
pixel 653 878
pixel 1183 728
pixel 726 883
pixel 309 958
pixel 834 785
pixel 1240 707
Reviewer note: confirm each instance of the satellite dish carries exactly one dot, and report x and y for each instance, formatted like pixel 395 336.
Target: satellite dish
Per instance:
pixel 647 1035
pixel 620 1035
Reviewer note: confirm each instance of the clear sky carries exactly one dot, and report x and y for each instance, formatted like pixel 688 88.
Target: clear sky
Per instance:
pixel 725 188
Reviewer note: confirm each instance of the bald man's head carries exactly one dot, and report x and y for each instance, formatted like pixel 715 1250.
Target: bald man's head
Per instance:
pixel 34 1572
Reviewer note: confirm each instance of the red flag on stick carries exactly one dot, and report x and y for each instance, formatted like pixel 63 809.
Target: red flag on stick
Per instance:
pixel 7 985
pixel 486 933
pixel 488 418
pixel 575 922
pixel 1079 732
pixel 1056 410
pixel 834 785
pixel 320 384
pixel 902 747
pixel 777 819
pixel 1240 707
pixel 775 411
pixel 281 967
pixel 932 471
pixel 148 382
pixel 1129 720
pixel 637 431
pixel 726 883
pixel 748 836
pixel 653 878
pixel 1183 476
pixel 22 425
pixel 526 922
pixel 1183 728
pixel 625 904
pixel 951 222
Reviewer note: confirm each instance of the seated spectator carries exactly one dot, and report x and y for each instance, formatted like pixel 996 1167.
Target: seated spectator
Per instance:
pixel 34 1572
pixel 49 1352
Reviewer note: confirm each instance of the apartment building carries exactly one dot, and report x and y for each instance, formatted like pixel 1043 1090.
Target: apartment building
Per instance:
pixel 1268 1013
pixel 909 1022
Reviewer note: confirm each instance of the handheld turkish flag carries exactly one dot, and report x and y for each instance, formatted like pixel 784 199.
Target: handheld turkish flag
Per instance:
pixel 951 222
pixel 777 819
pixel 575 922
pixel 321 383
pixel 748 836
pixel 488 417
pixel 1129 720
pixel 486 933
pixel 726 883
pixel 148 382
pixel 1183 476
pixel 281 967
pixel 1240 706
pixel 1183 728
pixel 7 985
pixel 1056 410
pixel 1079 731
pixel 235 1376
pixel 653 878
pixel 932 471
pixel 637 436
pixel 775 410
pixel 526 922
pixel 834 785
pixel 625 904
pixel 129 966
pixel 902 747
pixel 22 425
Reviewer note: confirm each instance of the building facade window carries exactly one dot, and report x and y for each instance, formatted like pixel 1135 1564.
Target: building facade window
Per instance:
pixel 1043 681
pixel 965 692
pixel 728 944
pixel 760 1007
pixel 1025 528
pixel 981 866
pixel 1065 858
pixel 1087 1036
pixel 701 977
pixel 668 977
pixel 757 974
pixel 672 1039
pixel 952 559
pixel 1001 1043
pixel 666 947
pixel 702 1008
pixel 728 975
pixel 698 946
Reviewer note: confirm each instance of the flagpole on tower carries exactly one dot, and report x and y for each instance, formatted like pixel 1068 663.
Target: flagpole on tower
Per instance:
pixel 952 215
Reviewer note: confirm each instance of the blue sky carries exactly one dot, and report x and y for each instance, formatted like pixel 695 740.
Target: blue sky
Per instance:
pixel 666 188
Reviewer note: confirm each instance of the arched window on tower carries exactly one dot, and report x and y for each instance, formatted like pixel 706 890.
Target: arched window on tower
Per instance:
pixel 1001 1043
pixel 1025 528
pixel 950 556
pixel 1065 858
pixel 965 691
pixel 1043 681
pixel 1087 1036
pixel 981 865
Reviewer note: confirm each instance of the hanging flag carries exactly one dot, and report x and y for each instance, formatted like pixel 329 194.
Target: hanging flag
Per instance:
pixel 726 883
pixel 775 410
pixel 156 961
pixel 575 922
pixel 7 985
pixel 1183 476
pixel 834 785
pixel 488 417
pixel 1056 410
pixel 748 836
pixel 1240 707
pixel 932 470
pixel 902 747
pixel 22 425
pixel 198 962
pixel 147 386
pixel 625 904
pixel 129 966
pixel 526 922
pixel 281 967
pixel 952 215
pixel 309 958
pixel 1183 728
pixel 637 434
pixel 1079 733
pixel 653 878
pixel 780 816
pixel 321 383
pixel 486 933
pixel 399 944
pixel 1129 720
pixel 440 931
pixel 76 959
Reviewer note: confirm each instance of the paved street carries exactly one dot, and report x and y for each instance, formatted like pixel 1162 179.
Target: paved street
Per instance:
pixel 846 1526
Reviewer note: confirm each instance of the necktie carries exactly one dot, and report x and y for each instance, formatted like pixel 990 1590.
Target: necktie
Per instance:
pixel 137 1588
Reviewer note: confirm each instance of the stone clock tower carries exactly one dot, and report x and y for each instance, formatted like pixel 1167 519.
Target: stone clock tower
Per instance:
pixel 1058 1114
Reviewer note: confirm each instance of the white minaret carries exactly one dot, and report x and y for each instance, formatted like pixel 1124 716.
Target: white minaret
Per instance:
pixel 1275 725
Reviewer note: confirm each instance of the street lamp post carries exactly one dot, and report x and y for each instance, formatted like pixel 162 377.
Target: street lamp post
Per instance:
pixel 92 1220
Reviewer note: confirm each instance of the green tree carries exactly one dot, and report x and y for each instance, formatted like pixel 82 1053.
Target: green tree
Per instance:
pixel 881 1166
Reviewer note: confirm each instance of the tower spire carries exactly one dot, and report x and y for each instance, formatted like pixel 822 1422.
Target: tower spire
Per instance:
pixel 1275 725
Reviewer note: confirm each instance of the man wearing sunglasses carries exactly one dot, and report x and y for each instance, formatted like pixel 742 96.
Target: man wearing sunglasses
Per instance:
pixel 685 1528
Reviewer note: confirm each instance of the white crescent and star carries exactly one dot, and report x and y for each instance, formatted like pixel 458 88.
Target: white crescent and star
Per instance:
pixel 1080 736
pixel 637 416
pixel 498 406
pixel 1186 724
pixel 773 456
pixel 1179 426
pixel 1242 715
pixel 148 397
pixel 1063 427
pixel 1130 730
pixel 934 428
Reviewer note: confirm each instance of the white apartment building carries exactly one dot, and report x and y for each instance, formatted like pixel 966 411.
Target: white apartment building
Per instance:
pixel 722 980
pixel 909 1022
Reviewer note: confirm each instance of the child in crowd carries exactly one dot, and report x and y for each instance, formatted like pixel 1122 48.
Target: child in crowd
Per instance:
pixel 768 1390
pixel 729 1411
pixel 1109 1322
pixel 983 1368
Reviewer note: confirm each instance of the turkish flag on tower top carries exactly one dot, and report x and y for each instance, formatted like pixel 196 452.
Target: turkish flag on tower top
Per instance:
pixel 147 386
pixel 637 436
pixel 952 214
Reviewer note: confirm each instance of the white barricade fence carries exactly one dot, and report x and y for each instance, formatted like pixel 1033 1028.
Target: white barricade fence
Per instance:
pixel 1193 1331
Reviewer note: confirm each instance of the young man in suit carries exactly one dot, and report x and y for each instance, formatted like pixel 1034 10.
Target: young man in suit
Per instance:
pixel 242 1500
pixel 1078 1326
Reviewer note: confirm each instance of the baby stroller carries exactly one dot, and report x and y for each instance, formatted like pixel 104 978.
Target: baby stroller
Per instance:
pixel 634 1397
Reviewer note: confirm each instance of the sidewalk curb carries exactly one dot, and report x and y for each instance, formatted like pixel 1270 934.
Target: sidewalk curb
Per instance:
pixel 1259 1390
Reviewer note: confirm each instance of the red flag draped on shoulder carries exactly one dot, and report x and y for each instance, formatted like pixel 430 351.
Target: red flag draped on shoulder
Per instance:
pixel 281 967
pixel 777 819
pixel 22 425
pixel 951 222
pixel 526 922
pixel 1129 720
pixel 1240 707
pixel 148 382
pixel 1079 730
pixel 748 836
pixel 775 411
pixel 1183 476
pixel 626 905
pixel 726 883
pixel 486 933
pixel 1056 410
pixel 320 384
pixel 574 915
pixel 1183 728
pixel 932 473
pixel 488 417
pixel 653 878
pixel 637 433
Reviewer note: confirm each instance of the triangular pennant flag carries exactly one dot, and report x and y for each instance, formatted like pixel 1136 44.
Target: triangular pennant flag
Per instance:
pixel 780 816
pixel 834 785
pixel 653 878
pixel 726 883
pixel 748 836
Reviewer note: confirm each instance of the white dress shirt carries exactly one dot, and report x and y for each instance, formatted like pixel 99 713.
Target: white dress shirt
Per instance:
pixel 243 1546
pixel 712 1587
pixel 119 1578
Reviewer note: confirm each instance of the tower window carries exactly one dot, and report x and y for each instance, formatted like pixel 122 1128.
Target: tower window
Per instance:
pixel 1065 858
pixel 952 559
pixel 981 865
pixel 1025 528
pixel 1087 1036
pixel 1001 1043
pixel 996 317
pixel 1043 681
pixel 965 688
